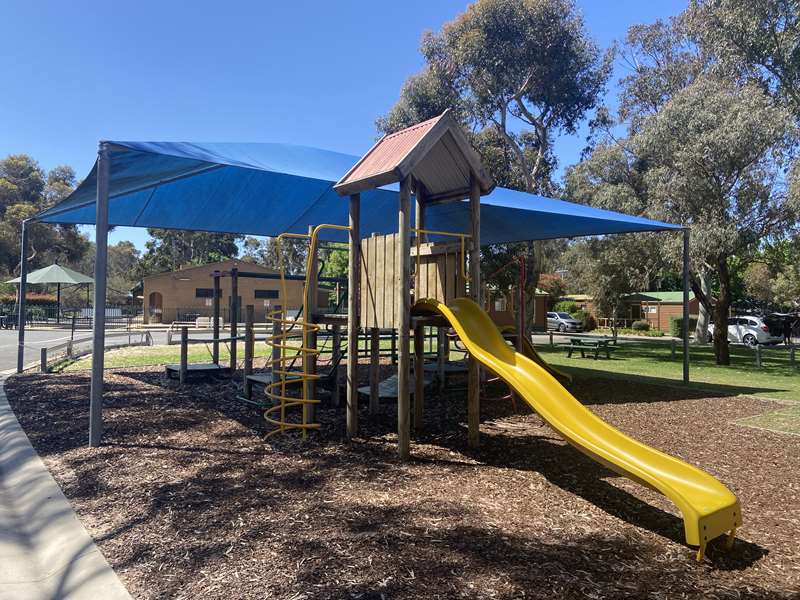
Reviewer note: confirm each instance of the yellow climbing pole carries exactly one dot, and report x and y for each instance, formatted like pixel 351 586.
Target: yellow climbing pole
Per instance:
pixel 290 388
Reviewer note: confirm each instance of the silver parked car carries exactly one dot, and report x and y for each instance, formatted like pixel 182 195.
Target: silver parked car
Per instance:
pixel 563 322
pixel 749 330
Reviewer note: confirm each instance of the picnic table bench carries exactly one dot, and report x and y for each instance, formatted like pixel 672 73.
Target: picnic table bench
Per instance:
pixel 594 347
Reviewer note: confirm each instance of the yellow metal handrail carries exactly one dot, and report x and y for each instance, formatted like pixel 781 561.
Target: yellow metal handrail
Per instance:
pixel 463 237
pixel 277 389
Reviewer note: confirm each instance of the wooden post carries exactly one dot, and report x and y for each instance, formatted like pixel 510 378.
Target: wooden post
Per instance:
pixel 758 355
pixel 393 346
pixel 99 309
pixel 215 324
pixel 336 359
pixel 184 366
pixel 441 355
pixel 474 389
pixel 374 370
pixel 275 353
pixel 234 315
pixel 419 377
pixel 249 317
pixel 353 317
pixel 310 337
pixel 402 285
pixel 43 360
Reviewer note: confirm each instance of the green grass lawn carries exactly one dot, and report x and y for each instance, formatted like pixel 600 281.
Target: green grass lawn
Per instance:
pixel 653 362
pixel 141 356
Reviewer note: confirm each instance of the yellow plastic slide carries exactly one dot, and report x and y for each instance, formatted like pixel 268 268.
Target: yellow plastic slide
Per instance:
pixel 709 509
pixel 529 351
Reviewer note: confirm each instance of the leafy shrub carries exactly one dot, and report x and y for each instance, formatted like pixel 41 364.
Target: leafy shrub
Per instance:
pixel 567 306
pixel 640 326
pixel 589 322
pixel 676 325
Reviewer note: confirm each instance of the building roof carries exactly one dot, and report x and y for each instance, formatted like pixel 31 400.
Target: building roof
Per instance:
pixel 268 189
pixel 436 152
pixel 54 274
pixel 662 297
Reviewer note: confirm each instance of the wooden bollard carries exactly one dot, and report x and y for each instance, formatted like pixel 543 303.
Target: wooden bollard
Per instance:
pixel 184 355
pixel 419 377
pixel 673 347
pixel 276 351
pixel 374 369
pixel 248 350
pixel 791 355
pixel 336 358
pixel 551 337
pixel 441 356
pixel 43 360
pixel 758 355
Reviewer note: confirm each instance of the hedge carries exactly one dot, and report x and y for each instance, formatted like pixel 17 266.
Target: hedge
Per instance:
pixel 676 325
pixel 589 323
pixel 640 326
pixel 567 306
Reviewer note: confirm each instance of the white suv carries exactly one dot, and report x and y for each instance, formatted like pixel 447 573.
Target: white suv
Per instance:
pixel 749 330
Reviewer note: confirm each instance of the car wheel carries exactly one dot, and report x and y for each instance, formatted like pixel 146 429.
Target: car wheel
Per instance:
pixel 750 339
pixel 562 328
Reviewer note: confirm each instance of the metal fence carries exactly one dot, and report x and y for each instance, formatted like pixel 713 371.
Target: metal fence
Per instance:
pixel 72 318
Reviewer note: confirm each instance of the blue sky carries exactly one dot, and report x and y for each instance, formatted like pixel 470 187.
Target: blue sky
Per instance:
pixel 314 73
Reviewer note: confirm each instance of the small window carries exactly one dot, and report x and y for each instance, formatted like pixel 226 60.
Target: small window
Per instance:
pixel 266 294
pixel 204 292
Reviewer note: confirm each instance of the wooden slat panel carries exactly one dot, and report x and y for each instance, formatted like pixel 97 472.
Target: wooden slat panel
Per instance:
pixel 393 276
pixel 380 279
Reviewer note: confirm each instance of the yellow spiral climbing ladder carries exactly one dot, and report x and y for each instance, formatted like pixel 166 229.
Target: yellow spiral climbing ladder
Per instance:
pixel 292 389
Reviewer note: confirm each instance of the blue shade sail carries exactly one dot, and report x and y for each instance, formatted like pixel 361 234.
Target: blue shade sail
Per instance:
pixel 268 189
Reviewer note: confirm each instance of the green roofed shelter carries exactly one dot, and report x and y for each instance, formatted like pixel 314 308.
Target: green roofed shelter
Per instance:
pixel 54 274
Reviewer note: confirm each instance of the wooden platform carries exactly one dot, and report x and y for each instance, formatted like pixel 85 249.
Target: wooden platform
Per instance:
pixel 388 387
pixel 197 369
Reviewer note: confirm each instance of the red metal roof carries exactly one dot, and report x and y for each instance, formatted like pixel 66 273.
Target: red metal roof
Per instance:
pixel 389 151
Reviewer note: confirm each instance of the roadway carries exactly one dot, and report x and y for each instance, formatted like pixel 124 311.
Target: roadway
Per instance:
pixel 35 339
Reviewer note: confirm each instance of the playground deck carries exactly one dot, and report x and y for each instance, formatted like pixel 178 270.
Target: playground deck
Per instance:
pixel 185 499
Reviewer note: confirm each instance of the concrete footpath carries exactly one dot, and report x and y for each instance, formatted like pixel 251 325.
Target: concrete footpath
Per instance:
pixel 45 553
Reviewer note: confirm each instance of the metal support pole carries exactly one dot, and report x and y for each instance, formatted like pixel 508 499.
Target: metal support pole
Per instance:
pixel 685 306
pixel 403 287
pixel 353 317
pixel 23 289
pixel 99 309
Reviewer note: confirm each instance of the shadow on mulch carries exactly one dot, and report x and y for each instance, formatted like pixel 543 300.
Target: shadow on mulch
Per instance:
pixel 186 500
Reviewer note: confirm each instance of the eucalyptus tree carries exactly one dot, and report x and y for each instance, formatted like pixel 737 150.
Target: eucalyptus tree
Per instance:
pixel 518 73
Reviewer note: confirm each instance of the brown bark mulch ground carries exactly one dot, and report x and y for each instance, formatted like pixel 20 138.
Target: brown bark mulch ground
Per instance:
pixel 186 500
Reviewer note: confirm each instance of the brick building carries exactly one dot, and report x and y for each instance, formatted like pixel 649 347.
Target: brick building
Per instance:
pixel 657 308
pixel 188 293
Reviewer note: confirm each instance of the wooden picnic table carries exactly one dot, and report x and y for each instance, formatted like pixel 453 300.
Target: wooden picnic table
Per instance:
pixel 595 347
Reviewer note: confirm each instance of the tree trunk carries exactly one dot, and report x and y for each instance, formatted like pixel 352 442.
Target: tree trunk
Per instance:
pixel 704 310
pixel 533 270
pixel 721 310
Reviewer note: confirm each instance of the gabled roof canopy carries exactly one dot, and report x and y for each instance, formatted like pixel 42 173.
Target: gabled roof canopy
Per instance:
pixel 267 189
pixel 436 152
pixel 54 274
